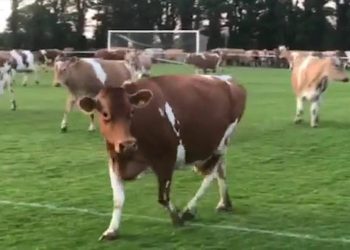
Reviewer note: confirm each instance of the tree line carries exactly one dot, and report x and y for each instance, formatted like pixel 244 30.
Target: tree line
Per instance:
pixel 249 24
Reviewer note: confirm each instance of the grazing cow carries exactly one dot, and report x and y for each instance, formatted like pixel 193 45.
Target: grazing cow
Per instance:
pixel 141 62
pixel 6 73
pixel 116 54
pixel 86 77
pixel 204 61
pixel 165 122
pixel 310 76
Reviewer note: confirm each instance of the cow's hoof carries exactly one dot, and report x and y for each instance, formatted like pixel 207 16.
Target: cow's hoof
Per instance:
pixel 188 215
pixel 91 129
pixel 314 125
pixel 24 85
pixel 36 82
pixel 109 235
pixel 224 208
pixel 64 129
pixel 177 221
pixel 13 106
pixel 298 120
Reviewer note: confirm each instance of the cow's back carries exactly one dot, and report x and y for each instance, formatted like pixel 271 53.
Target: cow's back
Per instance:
pixel 306 70
pixel 117 72
pixel 199 109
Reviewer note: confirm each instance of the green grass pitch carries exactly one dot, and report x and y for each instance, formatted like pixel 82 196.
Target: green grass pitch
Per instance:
pixel 289 183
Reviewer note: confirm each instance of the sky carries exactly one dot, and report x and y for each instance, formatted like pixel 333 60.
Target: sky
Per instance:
pixel 5 11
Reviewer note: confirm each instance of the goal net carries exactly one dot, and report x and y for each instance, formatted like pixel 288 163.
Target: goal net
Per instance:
pixel 187 40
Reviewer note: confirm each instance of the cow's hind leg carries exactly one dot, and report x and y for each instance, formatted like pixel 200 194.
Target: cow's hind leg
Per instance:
pixel 69 106
pixel 190 209
pixel 314 110
pixel 225 203
pixel 210 169
pixel 300 110
pixel 118 201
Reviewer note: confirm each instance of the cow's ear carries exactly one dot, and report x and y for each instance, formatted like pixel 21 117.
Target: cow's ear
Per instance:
pixel 87 104
pixel 141 98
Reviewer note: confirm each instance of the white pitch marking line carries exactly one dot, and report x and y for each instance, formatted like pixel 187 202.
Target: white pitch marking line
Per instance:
pixel 217 226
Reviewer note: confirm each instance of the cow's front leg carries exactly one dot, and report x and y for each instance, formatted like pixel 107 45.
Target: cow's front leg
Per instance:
pixel 92 125
pixel 314 110
pixel 164 199
pixel 300 110
pixel 118 201
pixel 25 79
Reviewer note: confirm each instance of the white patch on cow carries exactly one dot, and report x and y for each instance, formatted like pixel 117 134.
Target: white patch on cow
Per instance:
pixel 6 68
pixel 99 72
pixel 180 152
pixel 118 199
pixel 18 59
pixel 161 112
pixel 59 65
pixel 225 78
pixel 303 66
pixel 30 59
pixel 171 117
pixel 223 143
pixel 43 52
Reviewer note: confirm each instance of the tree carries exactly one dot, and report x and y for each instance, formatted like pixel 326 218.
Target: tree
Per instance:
pixel 13 23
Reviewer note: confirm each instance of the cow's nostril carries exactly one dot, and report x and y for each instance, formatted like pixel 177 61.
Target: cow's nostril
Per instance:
pixel 127 146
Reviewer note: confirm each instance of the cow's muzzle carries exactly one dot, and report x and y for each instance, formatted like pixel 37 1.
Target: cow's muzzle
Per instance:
pixel 127 147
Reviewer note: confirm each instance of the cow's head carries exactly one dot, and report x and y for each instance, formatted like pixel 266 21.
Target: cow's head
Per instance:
pixel 115 107
pixel 62 67
pixel 335 70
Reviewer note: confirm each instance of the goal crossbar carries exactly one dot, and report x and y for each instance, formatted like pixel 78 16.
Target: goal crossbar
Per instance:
pixel 196 32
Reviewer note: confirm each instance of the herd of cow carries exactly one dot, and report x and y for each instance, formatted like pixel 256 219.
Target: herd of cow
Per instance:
pixel 167 121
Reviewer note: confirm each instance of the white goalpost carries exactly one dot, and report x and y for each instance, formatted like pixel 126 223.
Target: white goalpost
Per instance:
pixel 187 40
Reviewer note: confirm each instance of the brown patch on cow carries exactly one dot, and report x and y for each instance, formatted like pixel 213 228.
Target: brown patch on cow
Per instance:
pixel 206 167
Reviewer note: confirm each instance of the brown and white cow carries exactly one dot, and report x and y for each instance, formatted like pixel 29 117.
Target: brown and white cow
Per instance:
pixel 141 62
pixel 204 61
pixel 46 57
pixel 86 77
pixel 22 61
pixel 310 77
pixel 165 122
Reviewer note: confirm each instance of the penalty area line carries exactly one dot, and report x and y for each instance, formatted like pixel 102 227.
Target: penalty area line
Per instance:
pixel 284 234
